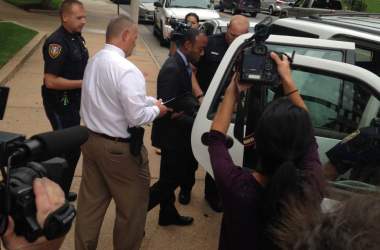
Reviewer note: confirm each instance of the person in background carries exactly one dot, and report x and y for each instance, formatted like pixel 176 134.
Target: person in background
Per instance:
pixel 113 101
pixel 204 72
pixel 289 165
pixel 65 55
pixel 192 20
pixel 172 133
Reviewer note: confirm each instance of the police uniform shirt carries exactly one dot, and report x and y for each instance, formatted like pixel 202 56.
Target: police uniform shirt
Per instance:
pixel 114 94
pixel 209 63
pixel 65 54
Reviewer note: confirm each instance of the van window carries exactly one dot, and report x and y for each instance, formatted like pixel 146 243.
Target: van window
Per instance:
pixel 285 31
pixel 367 53
pixel 334 55
pixel 336 105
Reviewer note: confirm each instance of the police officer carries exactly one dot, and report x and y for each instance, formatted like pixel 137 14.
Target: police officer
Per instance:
pixel 65 57
pixel 359 152
pixel 216 48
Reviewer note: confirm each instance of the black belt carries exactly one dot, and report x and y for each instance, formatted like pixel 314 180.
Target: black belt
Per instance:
pixel 116 139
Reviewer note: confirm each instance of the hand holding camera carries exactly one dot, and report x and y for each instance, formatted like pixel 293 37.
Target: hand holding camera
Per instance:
pixel 48 198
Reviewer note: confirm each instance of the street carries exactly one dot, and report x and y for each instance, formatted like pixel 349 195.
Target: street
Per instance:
pixel 161 53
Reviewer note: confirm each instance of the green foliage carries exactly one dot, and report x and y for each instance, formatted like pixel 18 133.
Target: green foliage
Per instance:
pixel 13 38
pixel 53 4
pixel 373 6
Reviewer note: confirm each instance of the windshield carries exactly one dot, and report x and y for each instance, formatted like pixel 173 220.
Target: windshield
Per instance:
pixel 148 1
pixel 199 4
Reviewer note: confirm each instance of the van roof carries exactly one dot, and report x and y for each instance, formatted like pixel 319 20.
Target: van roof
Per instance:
pixel 364 22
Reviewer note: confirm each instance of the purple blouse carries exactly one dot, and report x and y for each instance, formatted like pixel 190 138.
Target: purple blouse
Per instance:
pixel 241 194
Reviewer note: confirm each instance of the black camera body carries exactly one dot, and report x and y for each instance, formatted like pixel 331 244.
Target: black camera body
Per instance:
pixel 179 29
pixel 255 64
pixel 16 189
pixel 20 197
pixel 257 67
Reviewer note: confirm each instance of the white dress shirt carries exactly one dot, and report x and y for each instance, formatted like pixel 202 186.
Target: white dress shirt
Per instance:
pixel 114 95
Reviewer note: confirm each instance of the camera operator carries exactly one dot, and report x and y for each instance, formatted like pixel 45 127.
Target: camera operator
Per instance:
pixel 288 165
pixel 358 152
pixel 172 133
pixel 192 20
pixel 216 48
pixel 48 198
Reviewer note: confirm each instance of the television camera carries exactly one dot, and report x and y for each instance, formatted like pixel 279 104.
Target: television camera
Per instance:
pixel 21 161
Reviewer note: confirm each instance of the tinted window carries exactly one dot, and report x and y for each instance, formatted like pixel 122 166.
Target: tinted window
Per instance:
pixel 335 105
pixel 280 30
pixel 367 53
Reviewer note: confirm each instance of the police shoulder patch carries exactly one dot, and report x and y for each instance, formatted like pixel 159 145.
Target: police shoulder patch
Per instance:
pixel 55 50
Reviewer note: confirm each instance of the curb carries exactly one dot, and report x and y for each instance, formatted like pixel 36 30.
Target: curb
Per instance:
pixel 15 63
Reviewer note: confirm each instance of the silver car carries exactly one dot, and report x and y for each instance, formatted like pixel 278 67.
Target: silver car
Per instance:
pixel 146 11
pixel 274 7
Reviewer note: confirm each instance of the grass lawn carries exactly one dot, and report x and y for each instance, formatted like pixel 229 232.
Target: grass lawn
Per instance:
pixel 20 3
pixel 373 6
pixel 13 38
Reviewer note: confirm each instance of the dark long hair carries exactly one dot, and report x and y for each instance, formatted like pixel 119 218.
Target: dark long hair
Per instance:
pixel 283 135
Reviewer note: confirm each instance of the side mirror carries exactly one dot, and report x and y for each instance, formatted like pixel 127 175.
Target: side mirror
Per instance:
pixel 157 4
pixel 291 5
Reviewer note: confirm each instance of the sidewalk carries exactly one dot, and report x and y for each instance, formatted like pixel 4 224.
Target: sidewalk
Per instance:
pixel 25 115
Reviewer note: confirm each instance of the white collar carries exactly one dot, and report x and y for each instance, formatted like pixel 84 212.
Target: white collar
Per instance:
pixel 112 47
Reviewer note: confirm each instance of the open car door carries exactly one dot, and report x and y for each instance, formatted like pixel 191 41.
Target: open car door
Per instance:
pixel 340 97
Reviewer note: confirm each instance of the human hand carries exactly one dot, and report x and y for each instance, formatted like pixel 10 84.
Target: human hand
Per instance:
pixel 283 67
pixel 163 109
pixel 48 198
pixel 175 115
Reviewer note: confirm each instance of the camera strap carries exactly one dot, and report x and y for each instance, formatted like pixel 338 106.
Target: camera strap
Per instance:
pixel 59 222
pixel 241 114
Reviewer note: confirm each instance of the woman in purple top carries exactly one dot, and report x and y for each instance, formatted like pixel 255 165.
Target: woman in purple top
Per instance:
pixel 288 162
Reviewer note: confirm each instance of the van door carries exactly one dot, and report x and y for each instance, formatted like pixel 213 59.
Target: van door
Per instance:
pixel 341 97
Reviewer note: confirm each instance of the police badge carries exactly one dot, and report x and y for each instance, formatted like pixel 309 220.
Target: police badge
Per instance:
pixel 54 50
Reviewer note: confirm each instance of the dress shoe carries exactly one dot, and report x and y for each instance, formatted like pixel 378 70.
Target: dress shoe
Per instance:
pixel 175 220
pixel 71 196
pixel 215 203
pixel 184 197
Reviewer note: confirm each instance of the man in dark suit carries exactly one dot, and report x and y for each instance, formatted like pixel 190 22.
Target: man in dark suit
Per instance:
pixel 172 133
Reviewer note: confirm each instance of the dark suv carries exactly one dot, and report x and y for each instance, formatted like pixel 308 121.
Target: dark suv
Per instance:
pixel 238 6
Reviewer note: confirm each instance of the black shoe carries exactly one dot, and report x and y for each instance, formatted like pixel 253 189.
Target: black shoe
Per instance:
pixel 71 196
pixel 175 220
pixel 184 197
pixel 215 203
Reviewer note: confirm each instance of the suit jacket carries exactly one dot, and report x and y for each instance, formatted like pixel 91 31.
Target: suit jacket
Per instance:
pixel 174 80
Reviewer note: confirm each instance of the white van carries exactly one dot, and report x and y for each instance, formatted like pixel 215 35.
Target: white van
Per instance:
pixel 340 96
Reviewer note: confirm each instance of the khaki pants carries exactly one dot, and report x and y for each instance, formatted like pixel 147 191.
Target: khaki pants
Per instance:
pixel 110 171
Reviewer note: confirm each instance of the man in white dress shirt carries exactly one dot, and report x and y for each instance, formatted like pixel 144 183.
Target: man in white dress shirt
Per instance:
pixel 114 99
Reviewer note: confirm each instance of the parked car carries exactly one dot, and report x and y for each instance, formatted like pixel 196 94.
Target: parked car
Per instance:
pixel 215 26
pixel 336 69
pixel 238 6
pixel 166 10
pixel 146 10
pixel 274 7
pixel 311 7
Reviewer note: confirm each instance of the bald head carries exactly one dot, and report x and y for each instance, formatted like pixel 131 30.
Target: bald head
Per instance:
pixel 117 26
pixel 238 25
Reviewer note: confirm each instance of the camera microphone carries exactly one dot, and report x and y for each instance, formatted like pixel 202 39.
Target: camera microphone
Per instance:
pixel 49 144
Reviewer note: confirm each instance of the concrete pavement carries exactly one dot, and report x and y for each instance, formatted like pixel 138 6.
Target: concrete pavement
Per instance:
pixel 25 115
